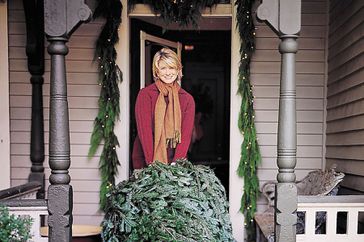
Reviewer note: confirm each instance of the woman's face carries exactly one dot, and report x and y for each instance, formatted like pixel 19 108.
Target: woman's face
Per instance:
pixel 166 73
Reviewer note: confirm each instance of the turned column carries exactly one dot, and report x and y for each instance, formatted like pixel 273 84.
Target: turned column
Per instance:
pixel 284 17
pixel 33 10
pixel 61 19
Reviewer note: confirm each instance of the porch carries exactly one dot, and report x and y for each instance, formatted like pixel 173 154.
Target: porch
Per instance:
pixel 329 102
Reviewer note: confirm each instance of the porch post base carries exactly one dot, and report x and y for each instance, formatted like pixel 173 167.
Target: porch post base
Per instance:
pixel 60 205
pixel 285 216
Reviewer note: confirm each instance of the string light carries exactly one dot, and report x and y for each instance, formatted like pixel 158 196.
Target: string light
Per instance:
pixel 105 55
pixel 250 155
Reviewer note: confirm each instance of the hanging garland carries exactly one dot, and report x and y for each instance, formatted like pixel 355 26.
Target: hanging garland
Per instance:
pixel 109 109
pixel 182 12
pixel 250 154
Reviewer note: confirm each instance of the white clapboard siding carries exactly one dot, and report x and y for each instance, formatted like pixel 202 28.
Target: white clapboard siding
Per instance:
pixel 310 79
pixel 83 92
pixel 345 91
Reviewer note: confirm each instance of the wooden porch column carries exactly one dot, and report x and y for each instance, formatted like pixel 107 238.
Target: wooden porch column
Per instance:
pixel 61 18
pixel 35 52
pixel 284 17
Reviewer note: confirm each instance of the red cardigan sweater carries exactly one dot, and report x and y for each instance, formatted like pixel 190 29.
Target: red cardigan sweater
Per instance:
pixel 144 114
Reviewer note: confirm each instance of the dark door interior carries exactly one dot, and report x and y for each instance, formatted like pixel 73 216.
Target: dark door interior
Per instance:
pixel 206 76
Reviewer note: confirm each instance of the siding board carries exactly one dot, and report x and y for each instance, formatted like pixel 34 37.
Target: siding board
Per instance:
pixel 345 152
pixel 307 32
pixel 346 111
pixel 349 53
pixel 353 182
pixel 346 166
pixel 347 10
pixel 348 68
pixel 348 28
pixel 342 85
pixel 348 40
pixel 302 104
pixel 302 92
pixel 267 79
pixel 344 125
pixel 309 140
pixel 273 55
pixel 76 162
pixel 345 96
pixel 72 78
pixel 302 128
pixel 346 139
pixel 349 96
pixel 303 44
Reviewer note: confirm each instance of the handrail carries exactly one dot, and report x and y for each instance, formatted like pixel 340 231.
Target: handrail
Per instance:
pixel 303 200
pixel 21 190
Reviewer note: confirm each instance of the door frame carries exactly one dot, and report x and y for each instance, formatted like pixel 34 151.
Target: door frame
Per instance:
pixel 4 97
pixel 236 183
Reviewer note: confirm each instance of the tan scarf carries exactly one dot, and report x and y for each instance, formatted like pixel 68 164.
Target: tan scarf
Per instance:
pixel 167 120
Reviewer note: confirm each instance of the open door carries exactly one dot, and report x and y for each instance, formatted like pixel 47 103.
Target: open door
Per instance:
pixel 149 45
pixel 205 56
pixel 145 40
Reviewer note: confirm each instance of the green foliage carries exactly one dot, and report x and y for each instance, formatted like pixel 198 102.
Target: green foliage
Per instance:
pixel 250 154
pixel 182 12
pixel 109 78
pixel 180 202
pixel 14 228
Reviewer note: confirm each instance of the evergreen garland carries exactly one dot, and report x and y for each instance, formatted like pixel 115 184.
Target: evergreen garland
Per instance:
pixel 250 154
pixel 109 109
pixel 182 12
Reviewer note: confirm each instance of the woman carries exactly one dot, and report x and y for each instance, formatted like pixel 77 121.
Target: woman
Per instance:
pixel 164 114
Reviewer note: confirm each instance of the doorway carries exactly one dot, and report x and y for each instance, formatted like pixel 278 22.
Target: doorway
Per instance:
pixel 205 58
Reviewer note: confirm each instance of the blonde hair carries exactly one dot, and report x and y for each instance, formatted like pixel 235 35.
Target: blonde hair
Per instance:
pixel 170 58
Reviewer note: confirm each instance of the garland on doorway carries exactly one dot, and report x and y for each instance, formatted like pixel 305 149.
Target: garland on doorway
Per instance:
pixel 182 12
pixel 109 78
pixel 250 154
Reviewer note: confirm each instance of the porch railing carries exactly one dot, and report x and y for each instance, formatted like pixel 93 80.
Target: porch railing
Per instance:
pixel 345 228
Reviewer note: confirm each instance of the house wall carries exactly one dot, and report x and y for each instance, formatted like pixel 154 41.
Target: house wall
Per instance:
pixel 83 93
pixel 310 79
pixel 345 91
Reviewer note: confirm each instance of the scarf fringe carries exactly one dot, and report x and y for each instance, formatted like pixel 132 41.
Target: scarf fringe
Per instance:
pixel 172 142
